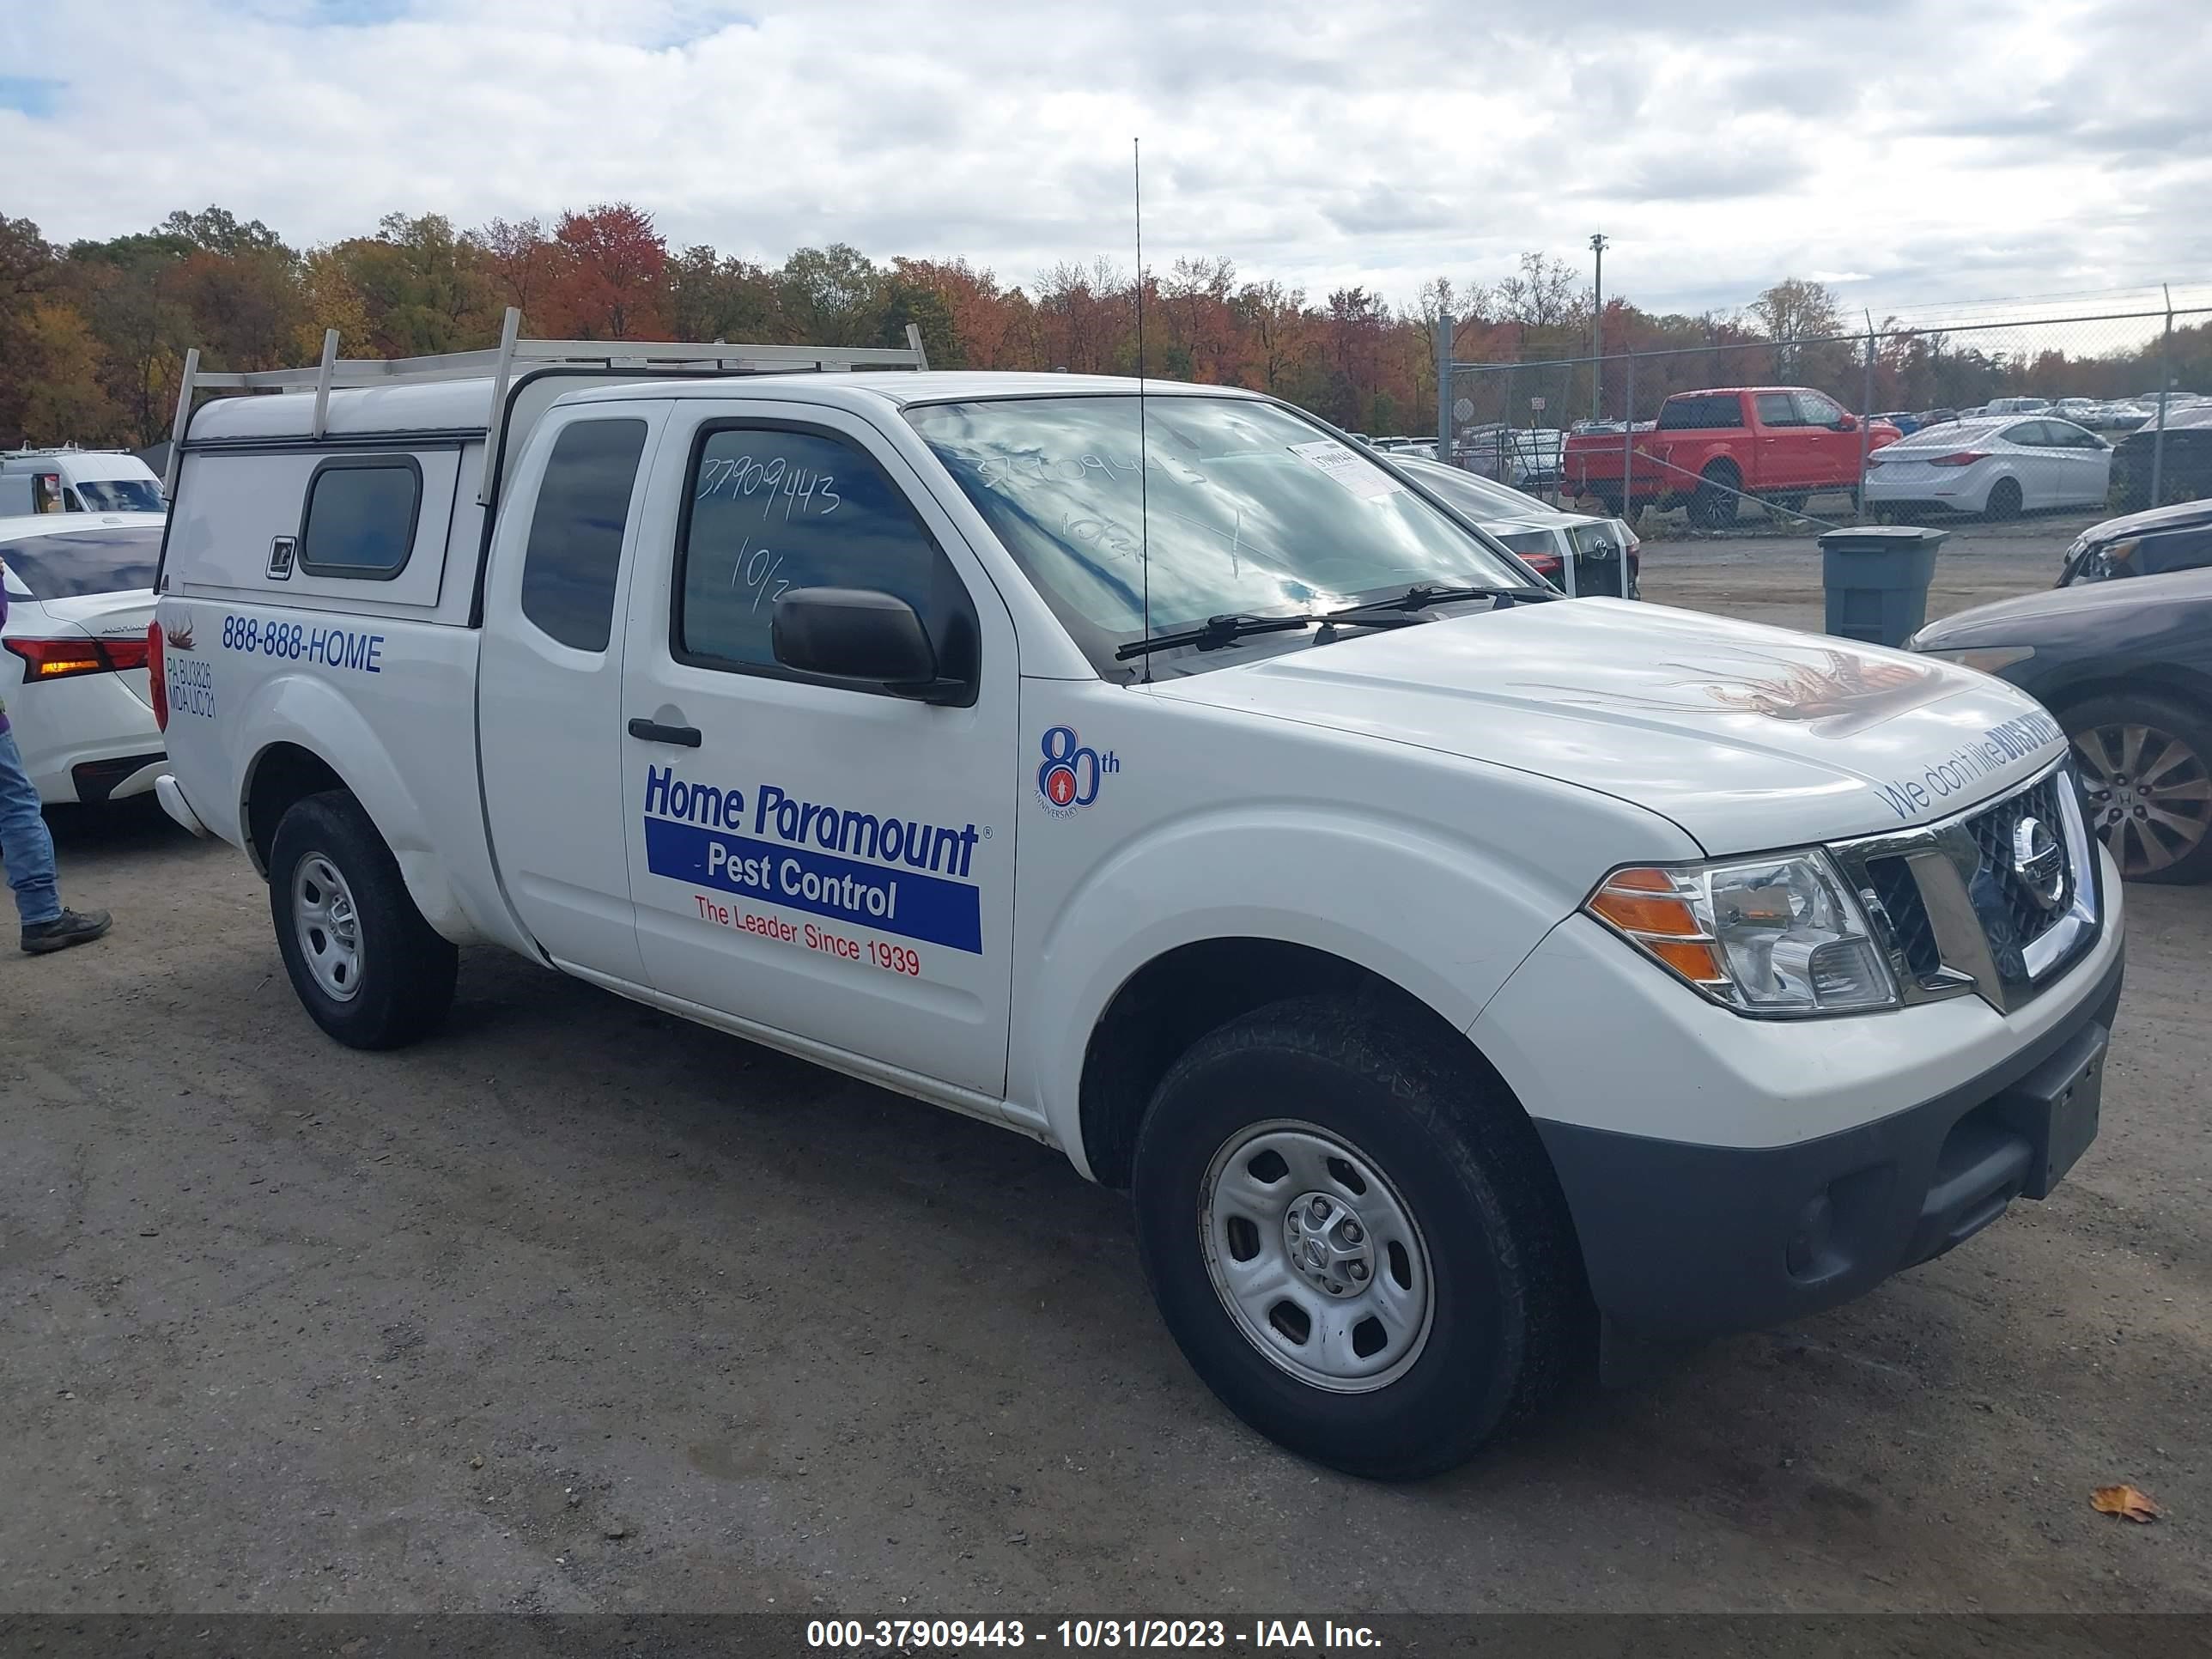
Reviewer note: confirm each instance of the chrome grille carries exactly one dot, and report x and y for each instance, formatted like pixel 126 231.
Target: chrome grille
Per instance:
pixel 1899 910
pixel 1956 909
pixel 2008 904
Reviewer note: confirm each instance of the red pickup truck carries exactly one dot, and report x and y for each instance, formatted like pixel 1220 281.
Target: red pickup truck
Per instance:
pixel 1779 444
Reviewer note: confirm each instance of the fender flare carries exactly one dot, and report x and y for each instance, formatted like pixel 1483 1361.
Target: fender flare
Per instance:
pixel 309 714
pixel 1194 880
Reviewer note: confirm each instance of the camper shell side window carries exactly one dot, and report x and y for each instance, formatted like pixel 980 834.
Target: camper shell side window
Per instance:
pixel 360 517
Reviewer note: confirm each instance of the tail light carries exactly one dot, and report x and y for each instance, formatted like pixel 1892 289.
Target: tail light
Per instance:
pixel 63 660
pixel 157 675
pixel 1960 457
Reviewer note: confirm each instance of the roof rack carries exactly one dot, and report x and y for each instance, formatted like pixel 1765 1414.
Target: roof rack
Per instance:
pixel 514 352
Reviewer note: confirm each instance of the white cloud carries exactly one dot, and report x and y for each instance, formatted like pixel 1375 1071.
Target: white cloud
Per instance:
pixel 1932 149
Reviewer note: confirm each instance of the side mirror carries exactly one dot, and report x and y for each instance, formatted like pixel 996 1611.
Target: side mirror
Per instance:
pixel 864 636
pixel 1847 424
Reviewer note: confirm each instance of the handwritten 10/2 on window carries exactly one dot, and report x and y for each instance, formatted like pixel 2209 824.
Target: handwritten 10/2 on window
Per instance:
pixel 772 510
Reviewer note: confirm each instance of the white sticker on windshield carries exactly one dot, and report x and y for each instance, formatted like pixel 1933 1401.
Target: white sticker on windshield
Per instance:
pixel 1352 472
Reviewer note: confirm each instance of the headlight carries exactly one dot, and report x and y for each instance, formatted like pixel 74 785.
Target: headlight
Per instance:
pixel 1772 936
pixel 1987 658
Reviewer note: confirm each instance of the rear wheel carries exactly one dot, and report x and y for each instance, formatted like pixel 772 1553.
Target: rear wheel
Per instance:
pixel 2003 504
pixel 2145 766
pixel 363 963
pixel 1792 505
pixel 1713 503
pixel 1357 1243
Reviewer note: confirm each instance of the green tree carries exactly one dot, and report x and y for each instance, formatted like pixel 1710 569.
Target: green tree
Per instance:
pixel 906 302
pixel 28 266
pixel 831 297
pixel 714 298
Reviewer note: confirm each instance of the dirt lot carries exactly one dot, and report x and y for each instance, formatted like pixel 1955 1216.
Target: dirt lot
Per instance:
pixel 580 1308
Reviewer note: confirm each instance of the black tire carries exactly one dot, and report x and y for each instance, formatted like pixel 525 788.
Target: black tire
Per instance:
pixel 2004 502
pixel 1713 503
pixel 2172 748
pixel 1792 505
pixel 403 977
pixel 1508 1319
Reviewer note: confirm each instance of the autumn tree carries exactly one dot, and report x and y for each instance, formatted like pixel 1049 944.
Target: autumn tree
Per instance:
pixel 611 285
pixel 990 325
pixel 521 261
pixel 64 400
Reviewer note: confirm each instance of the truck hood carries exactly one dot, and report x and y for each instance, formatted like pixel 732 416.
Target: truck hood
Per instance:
pixel 1747 737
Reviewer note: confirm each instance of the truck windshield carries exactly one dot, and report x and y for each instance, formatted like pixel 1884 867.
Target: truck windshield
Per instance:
pixel 1243 507
pixel 119 494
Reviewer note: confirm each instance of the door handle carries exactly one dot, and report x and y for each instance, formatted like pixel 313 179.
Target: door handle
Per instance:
pixel 684 736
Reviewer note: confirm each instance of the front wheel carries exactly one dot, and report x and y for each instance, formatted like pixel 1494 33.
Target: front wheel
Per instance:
pixel 1357 1243
pixel 2145 769
pixel 363 963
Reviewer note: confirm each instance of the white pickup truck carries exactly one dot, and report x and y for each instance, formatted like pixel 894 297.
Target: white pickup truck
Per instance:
pixel 1464 982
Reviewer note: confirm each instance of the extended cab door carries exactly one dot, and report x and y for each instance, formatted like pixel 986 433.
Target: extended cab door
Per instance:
pixel 1789 449
pixel 549 690
pixel 825 859
pixel 1834 454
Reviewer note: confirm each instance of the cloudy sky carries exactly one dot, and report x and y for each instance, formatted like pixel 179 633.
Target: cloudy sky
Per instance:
pixel 1912 151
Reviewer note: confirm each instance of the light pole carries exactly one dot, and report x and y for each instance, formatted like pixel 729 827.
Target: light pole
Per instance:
pixel 1597 324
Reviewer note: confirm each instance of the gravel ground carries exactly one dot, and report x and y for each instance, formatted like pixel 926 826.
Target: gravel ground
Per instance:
pixel 582 1308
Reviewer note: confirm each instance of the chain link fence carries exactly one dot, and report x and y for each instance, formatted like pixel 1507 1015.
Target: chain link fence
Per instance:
pixel 2111 409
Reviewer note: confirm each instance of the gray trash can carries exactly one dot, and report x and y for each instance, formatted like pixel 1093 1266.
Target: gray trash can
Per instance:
pixel 1877 578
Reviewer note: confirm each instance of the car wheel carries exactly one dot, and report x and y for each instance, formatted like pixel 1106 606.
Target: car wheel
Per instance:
pixel 1793 505
pixel 2146 767
pixel 367 967
pixel 2003 506
pixel 1356 1239
pixel 1713 503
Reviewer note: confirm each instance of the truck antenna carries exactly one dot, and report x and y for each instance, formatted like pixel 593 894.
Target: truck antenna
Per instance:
pixel 1144 456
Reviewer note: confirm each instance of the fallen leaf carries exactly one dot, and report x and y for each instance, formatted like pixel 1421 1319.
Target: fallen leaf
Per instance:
pixel 2125 1501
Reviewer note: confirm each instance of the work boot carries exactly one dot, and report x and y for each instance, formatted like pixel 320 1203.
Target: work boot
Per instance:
pixel 70 928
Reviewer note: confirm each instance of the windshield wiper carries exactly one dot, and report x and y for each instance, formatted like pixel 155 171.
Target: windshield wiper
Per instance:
pixel 1217 631
pixel 1421 595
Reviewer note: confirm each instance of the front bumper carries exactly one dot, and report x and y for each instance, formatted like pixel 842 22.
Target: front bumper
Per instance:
pixel 1684 1241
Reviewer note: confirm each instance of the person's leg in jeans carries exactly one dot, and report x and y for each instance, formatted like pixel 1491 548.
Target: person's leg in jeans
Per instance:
pixel 25 848
pixel 27 851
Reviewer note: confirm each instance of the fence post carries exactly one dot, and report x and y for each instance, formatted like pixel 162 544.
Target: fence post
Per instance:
pixel 2165 384
pixel 1628 513
pixel 1866 416
pixel 1444 388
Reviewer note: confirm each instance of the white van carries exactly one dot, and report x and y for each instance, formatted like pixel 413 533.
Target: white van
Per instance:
pixel 1462 979
pixel 71 480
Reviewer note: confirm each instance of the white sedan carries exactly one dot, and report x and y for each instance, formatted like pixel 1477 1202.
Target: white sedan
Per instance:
pixel 73 651
pixel 1996 466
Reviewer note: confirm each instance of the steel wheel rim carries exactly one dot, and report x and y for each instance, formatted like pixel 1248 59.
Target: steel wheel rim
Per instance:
pixel 1316 1256
pixel 327 925
pixel 2148 794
